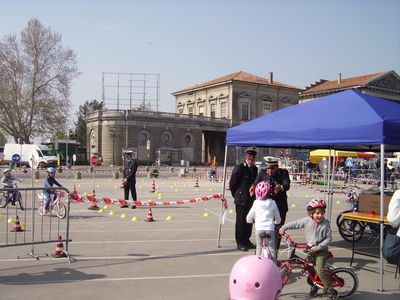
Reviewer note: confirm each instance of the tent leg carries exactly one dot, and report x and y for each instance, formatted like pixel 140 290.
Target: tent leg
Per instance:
pixel 221 216
pixel 382 217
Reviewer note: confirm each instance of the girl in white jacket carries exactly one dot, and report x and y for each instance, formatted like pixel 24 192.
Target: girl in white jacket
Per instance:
pixel 265 213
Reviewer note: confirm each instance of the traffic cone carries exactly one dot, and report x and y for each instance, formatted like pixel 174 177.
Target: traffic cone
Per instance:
pixel 17 226
pixel 59 249
pixel 197 182
pixel 94 205
pixel 149 216
pixel 153 187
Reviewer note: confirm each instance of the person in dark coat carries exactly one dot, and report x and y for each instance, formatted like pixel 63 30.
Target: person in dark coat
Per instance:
pixel 280 184
pixel 243 175
pixel 129 178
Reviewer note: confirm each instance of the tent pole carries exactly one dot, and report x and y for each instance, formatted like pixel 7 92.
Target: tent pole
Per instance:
pixel 223 201
pixel 381 216
pixel 329 185
pixel 333 182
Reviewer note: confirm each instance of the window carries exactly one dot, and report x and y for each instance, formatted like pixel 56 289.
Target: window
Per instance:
pixel 180 110
pixel 187 139
pixel 166 139
pixel 245 111
pixel 143 137
pixel 223 110
pixel 191 111
pixel 212 111
pixel 201 110
pixel 267 107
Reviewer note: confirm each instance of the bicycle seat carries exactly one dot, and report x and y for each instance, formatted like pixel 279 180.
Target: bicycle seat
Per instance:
pixel 265 235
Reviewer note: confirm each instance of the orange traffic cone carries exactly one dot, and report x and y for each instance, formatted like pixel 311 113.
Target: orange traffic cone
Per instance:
pixel 17 227
pixel 197 182
pixel 153 188
pixel 149 216
pixel 94 204
pixel 59 249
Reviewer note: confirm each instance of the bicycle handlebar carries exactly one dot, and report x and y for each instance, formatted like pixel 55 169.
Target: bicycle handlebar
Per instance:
pixel 296 245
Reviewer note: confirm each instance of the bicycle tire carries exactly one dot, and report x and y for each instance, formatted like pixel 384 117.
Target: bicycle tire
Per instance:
pixel 19 200
pixel 61 210
pixel 347 234
pixel 41 207
pixel 3 199
pixel 340 217
pixel 347 278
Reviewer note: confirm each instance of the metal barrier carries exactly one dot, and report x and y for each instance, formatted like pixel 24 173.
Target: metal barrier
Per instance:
pixel 38 227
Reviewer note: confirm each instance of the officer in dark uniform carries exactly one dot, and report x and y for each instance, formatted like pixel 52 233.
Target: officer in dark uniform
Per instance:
pixel 243 175
pixel 280 184
pixel 129 178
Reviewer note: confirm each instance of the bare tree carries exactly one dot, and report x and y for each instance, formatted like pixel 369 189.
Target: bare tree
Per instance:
pixel 35 78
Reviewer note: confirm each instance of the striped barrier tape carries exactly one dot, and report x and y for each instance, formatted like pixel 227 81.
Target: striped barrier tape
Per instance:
pixel 94 199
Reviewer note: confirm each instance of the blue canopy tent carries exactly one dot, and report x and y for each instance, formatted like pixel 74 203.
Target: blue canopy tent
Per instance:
pixel 347 120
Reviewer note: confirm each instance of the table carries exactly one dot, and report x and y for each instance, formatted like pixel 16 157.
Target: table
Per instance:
pixel 362 217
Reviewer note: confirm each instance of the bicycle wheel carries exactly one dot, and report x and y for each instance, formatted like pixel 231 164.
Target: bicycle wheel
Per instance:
pixel 61 210
pixel 345 281
pixel 3 199
pixel 340 217
pixel 41 207
pixel 19 200
pixel 348 228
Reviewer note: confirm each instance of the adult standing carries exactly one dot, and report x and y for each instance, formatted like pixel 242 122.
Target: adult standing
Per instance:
pixel 243 175
pixel 129 178
pixel 280 184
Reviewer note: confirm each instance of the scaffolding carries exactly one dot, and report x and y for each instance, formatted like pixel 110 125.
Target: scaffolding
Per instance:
pixel 131 91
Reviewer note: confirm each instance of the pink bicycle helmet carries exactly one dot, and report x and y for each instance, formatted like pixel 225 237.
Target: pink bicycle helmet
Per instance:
pixel 254 278
pixel 262 190
pixel 316 203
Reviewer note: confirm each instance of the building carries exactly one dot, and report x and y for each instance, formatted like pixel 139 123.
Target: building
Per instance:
pixel 196 132
pixel 384 85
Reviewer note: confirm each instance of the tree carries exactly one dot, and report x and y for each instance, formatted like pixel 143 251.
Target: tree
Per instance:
pixel 35 79
pixel 85 109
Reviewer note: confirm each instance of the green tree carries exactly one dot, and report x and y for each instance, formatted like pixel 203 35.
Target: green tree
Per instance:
pixel 35 79
pixel 85 109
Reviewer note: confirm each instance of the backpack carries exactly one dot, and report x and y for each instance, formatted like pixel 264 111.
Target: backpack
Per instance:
pixel 391 247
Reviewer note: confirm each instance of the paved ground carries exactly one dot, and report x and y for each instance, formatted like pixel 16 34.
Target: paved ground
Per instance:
pixel 179 259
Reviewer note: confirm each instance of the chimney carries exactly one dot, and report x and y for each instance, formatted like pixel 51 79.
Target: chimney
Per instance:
pixel 339 81
pixel 271 77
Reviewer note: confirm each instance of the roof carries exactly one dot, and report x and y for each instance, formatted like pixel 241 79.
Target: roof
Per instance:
pixel 346 83
pixel 240 76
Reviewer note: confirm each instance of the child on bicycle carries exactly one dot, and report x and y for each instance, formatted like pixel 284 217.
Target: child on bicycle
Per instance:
pixel 7 180
pixel 266 214
pixel 49 182
pixel 318 236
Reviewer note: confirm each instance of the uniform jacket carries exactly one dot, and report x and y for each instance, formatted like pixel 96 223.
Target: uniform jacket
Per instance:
pixel 281 177
pixel 241 180
pixel 130 169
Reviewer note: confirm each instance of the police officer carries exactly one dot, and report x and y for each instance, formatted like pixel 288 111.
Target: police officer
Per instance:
pixel 129 177
pixel 280 183
pixel 243 175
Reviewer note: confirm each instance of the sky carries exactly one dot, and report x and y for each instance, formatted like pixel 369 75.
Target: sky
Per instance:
pixel 189 42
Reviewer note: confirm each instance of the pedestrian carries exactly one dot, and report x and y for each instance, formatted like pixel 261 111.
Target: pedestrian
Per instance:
pixel 318 236
pixel 265 214
pixel 243 175
pixel 280 184
pixel 129 178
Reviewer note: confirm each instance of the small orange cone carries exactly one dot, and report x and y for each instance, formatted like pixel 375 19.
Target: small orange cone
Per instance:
pixel 17 227
pixel 149 216
pixel 153 188
pixel 94 205
pixel 197 182
pixel 59 249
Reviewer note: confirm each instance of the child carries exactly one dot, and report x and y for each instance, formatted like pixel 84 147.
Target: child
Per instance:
pixel 49 182
pixel 266 215
pixel 7 181
pixel 318 236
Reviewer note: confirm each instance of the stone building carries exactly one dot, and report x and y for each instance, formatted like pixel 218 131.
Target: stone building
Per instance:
pixel 196 132
pixel 384 85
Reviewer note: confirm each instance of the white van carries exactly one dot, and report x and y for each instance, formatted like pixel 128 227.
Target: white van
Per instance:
pixel 40 155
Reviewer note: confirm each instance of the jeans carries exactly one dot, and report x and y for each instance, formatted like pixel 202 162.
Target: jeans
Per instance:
pixel 48 197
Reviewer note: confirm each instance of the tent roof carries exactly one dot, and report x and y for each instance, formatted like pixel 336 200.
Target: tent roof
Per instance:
pixel 349 120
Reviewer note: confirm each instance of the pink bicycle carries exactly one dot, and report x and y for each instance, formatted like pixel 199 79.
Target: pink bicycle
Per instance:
pixel 55 204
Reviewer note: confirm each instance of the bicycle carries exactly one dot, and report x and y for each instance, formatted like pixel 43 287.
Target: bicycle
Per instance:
pixel 12 196
pixel 344 280
pixel 59 208
pixel 266 250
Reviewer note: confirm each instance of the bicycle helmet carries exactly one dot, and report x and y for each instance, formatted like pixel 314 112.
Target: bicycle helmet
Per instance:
pixel 262 190
pixel 254 278
pixel 51 170
pixel 316 203
pixel 6 170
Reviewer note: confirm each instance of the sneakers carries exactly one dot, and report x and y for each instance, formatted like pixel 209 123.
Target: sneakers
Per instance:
pixel 332 294
pixel 313 291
